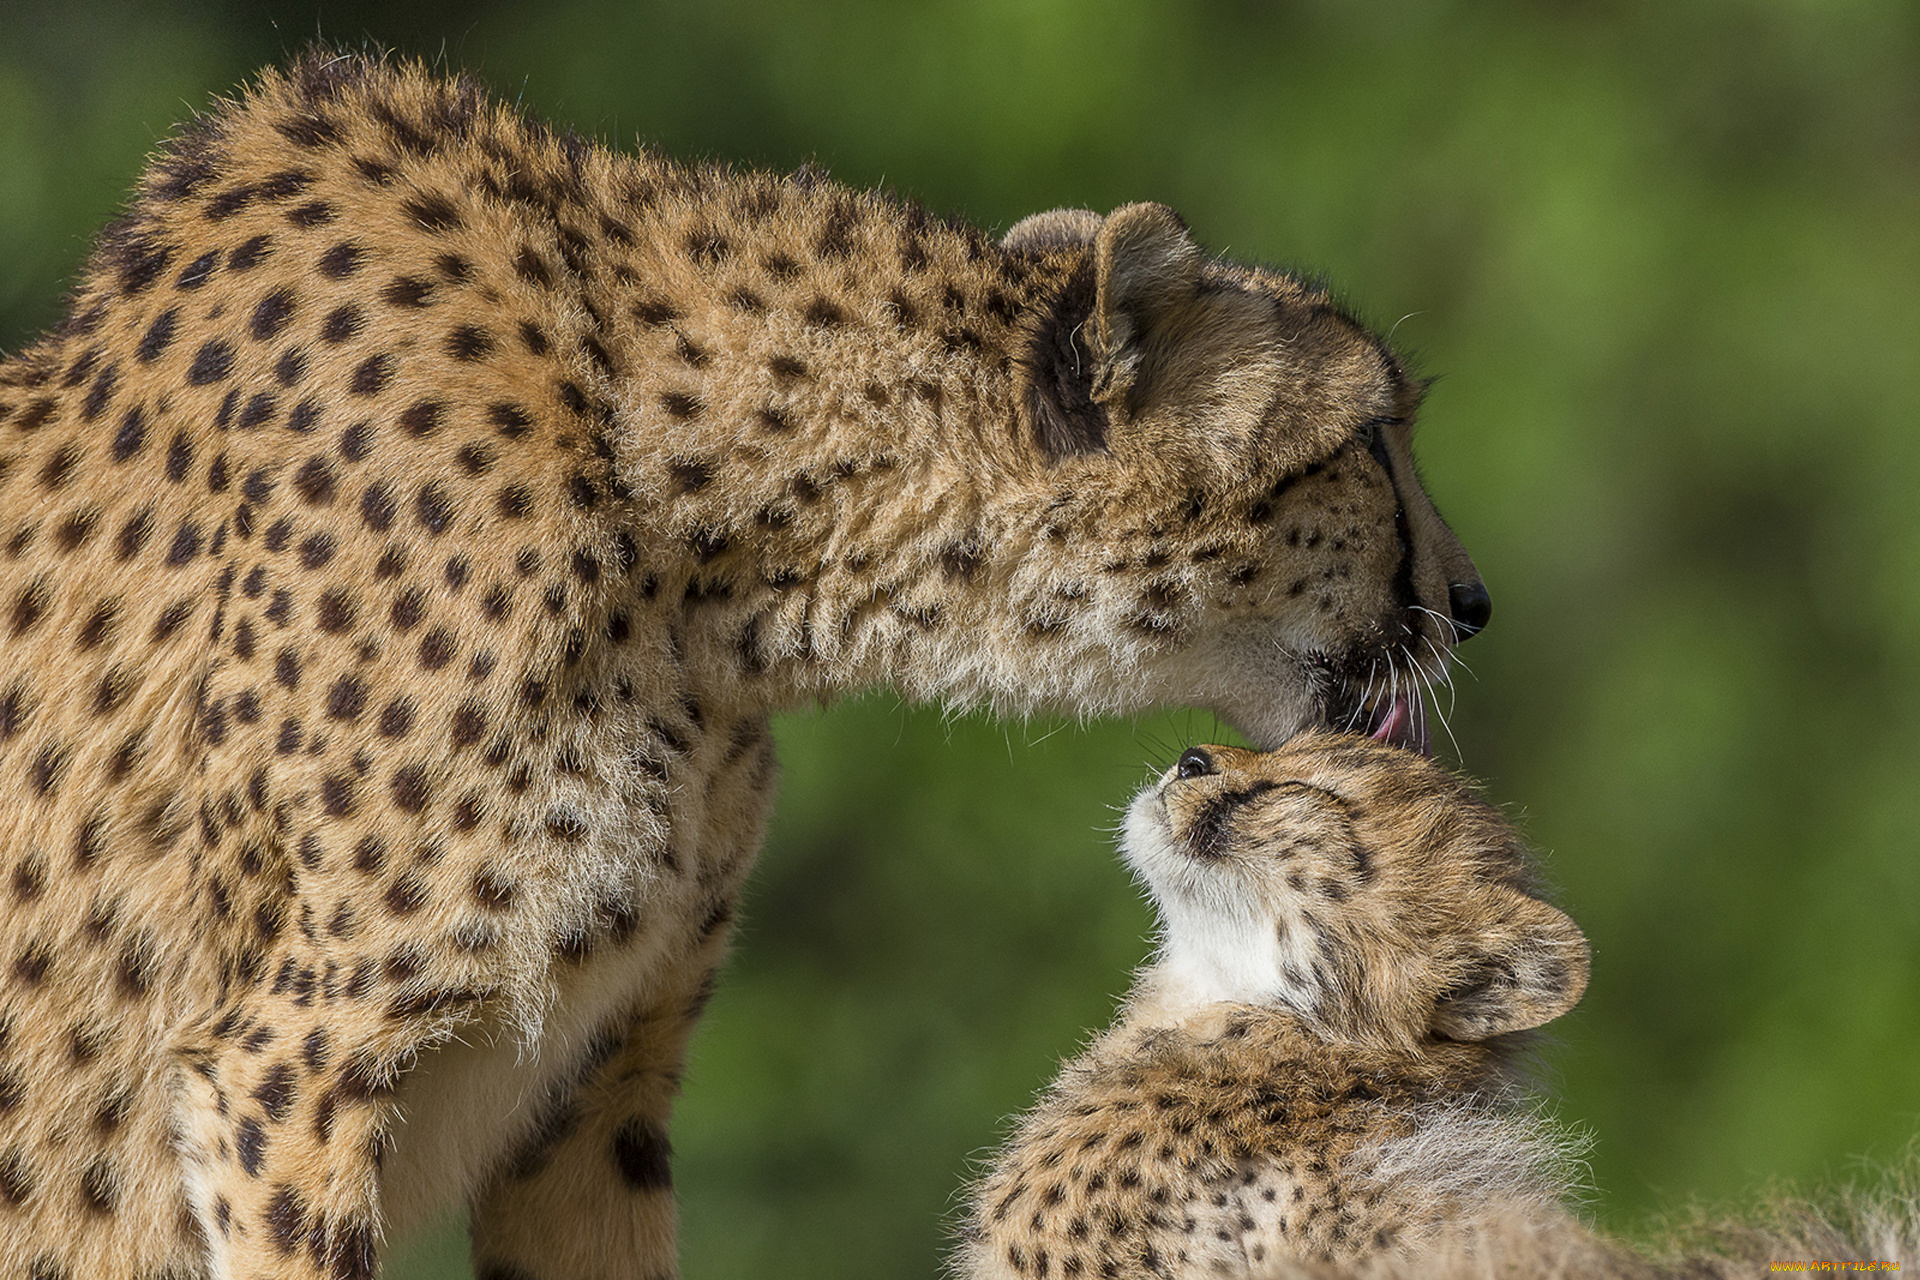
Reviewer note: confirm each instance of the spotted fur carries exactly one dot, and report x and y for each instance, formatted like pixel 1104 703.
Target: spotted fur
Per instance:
pixel 1319 1065
pixel 403 542
pixel 1871 1228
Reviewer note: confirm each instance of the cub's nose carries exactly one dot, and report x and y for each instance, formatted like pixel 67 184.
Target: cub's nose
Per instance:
pixel 1194 763
pixel 1471 606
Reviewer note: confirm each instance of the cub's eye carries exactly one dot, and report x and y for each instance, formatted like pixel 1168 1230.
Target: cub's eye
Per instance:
pixel 1194 763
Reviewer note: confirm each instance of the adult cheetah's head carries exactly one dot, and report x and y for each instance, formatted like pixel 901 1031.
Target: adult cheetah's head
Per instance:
pixel 1230 454
pixel 1362 887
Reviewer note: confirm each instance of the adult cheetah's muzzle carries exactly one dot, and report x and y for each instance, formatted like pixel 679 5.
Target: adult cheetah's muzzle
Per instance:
pixel 1387 707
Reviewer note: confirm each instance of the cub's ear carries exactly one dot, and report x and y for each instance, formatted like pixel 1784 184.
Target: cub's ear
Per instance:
pixel 1054 229
pixel 1527 970
pixel 1147 268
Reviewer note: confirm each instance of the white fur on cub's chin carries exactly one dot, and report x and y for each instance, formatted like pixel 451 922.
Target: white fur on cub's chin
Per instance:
pixel 1217 945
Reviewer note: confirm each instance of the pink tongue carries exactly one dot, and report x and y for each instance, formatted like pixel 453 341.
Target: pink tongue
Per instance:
pixel 1405 725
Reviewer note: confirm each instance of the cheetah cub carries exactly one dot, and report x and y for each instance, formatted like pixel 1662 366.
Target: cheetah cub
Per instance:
pixel 1319 1065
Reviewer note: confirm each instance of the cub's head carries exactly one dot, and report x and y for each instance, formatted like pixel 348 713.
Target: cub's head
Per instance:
pixel 1214 495
pixel 1356 884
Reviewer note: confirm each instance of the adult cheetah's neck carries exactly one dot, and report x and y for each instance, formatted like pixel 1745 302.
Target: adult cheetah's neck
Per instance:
pixel 781 349
pixel 812 389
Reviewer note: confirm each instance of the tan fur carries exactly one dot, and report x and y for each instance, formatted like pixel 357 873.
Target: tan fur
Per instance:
pixel 403 543
pixel 1341 1092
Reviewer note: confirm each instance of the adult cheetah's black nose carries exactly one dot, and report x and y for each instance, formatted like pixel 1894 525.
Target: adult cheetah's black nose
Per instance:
pixel 1471 606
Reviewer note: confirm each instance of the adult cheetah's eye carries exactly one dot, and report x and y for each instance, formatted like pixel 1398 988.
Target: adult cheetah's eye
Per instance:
pixel 1370 438
pixel 1194 763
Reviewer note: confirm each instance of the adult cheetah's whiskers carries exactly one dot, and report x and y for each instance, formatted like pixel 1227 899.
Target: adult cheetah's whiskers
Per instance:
pixel 1446 662
pixel 1365 700
pixel 1455 632
pixel 1433 706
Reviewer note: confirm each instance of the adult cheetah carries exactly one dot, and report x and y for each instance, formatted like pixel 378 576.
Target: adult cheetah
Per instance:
pixel 407 535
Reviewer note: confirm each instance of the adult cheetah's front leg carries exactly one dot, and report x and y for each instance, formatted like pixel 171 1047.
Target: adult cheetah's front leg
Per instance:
pixel 588 1195
pixel 284 1185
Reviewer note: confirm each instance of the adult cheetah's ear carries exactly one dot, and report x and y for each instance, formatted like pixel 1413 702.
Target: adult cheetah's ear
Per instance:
pixel 1528 969
pixel 1146 268
pixel 1055 229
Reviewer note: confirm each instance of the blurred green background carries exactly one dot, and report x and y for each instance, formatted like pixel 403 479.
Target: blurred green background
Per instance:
pixel 1665 259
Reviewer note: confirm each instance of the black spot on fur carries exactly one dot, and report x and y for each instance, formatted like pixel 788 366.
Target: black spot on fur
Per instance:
pixel 408 292
pixel 275 1092
pixel 469 342
pixel 644 1156
pixel 342 323
pixel 212 363
pixel 435 213
pixel 250 253
pixel 198 272
pixel 372 375
pixel 271 315
pixel 158 337
pixel 140 263
pixel 309 130
pixel 250 1144
pixel 287 1219
pixel 1208 834
pixel 341 261
pixel 99 1188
